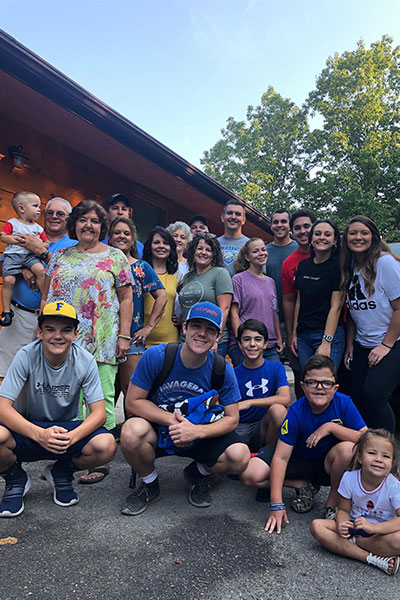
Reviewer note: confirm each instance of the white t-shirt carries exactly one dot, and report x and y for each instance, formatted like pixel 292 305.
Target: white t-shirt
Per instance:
pixel 372 314
pixel 376 506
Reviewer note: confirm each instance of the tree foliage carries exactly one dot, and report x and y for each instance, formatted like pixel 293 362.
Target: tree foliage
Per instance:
pixel 260 159
pixel 349 164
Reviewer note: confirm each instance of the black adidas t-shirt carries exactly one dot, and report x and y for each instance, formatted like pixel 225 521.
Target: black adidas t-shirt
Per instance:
pixel 315 283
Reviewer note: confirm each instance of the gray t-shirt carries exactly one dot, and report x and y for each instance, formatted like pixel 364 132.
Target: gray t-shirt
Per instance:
pixel 276 256
pixel 42 393
pixel 230 248
pixel 205 288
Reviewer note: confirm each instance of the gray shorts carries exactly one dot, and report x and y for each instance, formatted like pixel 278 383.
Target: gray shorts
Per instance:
pixel 14 263
pixel 21 332
pixel 250 434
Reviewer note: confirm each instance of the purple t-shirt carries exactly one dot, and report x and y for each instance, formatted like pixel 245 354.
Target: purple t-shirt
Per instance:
pixel 256 299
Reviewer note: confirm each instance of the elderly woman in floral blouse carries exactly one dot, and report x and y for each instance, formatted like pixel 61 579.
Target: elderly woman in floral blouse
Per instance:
pixel 97 281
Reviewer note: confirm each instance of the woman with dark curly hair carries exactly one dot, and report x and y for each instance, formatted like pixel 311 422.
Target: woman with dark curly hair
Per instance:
pixel 318 321
pixel 97 281
pixel 207 280
pixel 160 252
pixel 371 280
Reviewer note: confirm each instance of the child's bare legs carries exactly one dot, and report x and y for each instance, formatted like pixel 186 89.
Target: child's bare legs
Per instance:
pixel 8 286
pixel 39 271
pixel 325 532
pixel 336 462
pixel 271 424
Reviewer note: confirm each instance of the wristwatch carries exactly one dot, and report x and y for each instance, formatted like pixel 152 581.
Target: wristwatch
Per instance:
pixel 44 255
pixel 327 337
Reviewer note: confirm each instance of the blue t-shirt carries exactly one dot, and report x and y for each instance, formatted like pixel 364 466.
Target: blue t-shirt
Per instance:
pixel 22 293
pixel 300 423
pixel 145 280
pixel 182 382
pixel 262 382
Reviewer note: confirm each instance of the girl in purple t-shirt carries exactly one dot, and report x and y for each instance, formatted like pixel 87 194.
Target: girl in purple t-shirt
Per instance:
pixel 254 297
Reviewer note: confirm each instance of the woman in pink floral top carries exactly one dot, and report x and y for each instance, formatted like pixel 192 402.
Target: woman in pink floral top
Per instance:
pixel 97 281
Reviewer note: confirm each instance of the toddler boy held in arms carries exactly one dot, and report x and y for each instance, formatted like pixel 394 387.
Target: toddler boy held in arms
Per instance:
pixel 15 256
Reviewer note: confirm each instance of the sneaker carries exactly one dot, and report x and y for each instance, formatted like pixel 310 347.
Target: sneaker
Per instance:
pixel 61 477
pixel 138 501
pixel 199 486
pixel 18 484
pixel 304 500
pixel 382 562
pixel 330 513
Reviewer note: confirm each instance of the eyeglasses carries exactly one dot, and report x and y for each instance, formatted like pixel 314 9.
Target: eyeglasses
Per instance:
pixel 58 213
pixel 313 383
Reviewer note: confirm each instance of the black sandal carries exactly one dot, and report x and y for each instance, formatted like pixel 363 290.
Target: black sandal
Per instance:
pixel 7 318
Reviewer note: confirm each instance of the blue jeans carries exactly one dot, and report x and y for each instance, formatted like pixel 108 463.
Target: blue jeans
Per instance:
pixel 308 342
pixel 223 348
pixel 237 357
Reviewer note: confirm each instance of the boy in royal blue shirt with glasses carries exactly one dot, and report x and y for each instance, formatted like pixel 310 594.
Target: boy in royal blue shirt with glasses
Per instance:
pixel 314 448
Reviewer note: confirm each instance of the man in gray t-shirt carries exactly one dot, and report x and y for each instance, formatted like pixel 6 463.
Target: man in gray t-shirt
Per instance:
pixel 39 401
pixel 233 218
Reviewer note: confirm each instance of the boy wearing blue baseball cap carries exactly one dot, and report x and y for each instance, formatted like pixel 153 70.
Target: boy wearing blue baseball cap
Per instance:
pixel 213 445
pixel 39 412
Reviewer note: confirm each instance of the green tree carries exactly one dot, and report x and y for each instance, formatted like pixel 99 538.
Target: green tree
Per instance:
pixel 261 159
pixel 353 161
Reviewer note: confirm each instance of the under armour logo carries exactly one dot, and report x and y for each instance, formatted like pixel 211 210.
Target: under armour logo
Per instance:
pixel 263 386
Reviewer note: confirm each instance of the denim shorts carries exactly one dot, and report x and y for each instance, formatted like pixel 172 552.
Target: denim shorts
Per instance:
pixel 136 348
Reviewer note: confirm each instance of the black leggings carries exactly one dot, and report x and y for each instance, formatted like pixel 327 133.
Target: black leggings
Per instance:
pixel 373 386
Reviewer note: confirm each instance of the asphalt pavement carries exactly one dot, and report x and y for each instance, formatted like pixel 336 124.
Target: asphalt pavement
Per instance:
pixel 173 550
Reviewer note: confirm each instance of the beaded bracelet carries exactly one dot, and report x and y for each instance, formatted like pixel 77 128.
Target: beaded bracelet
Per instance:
pixel 124 337
pixel 277 506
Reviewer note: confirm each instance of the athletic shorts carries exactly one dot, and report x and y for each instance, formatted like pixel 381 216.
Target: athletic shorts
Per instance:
pixel 28 450
pixel 250 434
pixel 299 468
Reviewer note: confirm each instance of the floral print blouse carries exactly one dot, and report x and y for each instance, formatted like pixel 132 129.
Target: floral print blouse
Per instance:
pixel 89 282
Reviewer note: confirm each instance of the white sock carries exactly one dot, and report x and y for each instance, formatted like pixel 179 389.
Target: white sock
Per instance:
pixel 150 478
pixel 201 469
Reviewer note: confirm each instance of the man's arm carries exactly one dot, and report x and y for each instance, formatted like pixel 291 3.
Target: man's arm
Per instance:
pixel 288 304
pixel 95 419
pixel 282 396
pixel 137 405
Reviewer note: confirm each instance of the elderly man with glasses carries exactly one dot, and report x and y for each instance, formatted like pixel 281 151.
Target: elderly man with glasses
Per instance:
pixel 26 297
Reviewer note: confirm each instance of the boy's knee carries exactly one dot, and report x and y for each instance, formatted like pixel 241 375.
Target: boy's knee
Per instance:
pixel 238 456
pixel 256 472
pixel 5 435
pixel 134 431
pixel 103 444
pixel 316 528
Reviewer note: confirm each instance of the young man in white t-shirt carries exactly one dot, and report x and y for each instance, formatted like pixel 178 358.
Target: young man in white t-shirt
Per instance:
pixel 39 411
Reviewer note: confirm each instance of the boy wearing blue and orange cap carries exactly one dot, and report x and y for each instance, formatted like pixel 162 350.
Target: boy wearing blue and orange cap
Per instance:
pixel 39 412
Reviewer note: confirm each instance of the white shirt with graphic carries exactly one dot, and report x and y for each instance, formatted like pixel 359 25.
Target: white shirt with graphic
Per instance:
pixel 372 314
pixel 376 505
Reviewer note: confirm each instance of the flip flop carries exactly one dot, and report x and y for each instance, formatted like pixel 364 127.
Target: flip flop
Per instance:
pixel 102 471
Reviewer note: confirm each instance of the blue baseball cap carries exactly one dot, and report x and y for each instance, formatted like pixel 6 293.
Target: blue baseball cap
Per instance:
pixel 207 311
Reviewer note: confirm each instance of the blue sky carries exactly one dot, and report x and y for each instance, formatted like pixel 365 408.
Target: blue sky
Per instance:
pixel 179 68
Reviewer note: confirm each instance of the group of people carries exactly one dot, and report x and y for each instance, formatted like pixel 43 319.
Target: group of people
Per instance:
pixel 89 311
